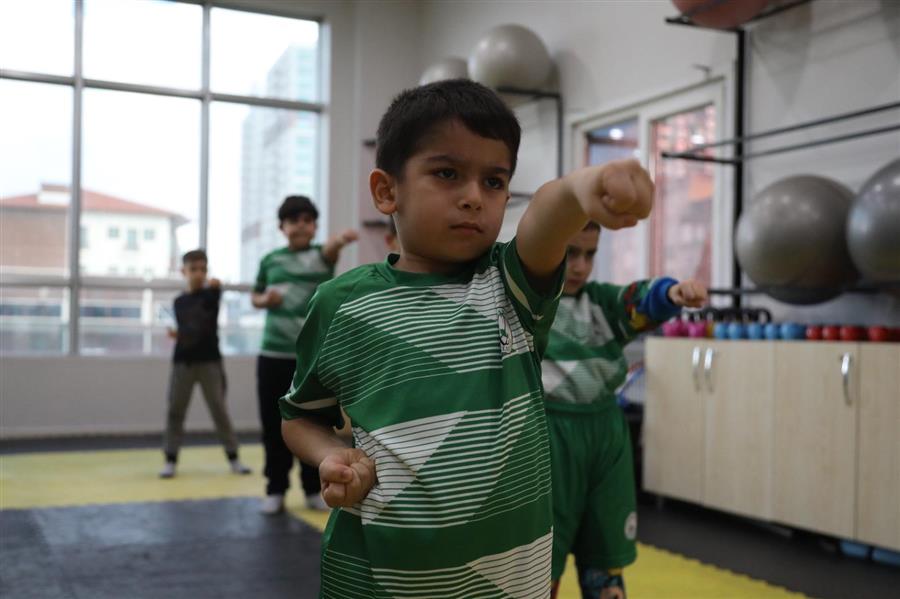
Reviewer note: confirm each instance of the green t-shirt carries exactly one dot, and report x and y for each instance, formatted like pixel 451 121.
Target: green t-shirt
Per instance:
pixel 440 376
pixel 296 274
pixel 585 361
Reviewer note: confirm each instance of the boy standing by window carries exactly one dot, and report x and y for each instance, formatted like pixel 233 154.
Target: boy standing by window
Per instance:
pixel 197 360
pixel 287 279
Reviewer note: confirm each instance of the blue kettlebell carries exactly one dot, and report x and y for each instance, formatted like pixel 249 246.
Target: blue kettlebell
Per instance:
pixel 755 330
pixel 772 331
pixel 737 330
pixel 792 330
pixel 721 330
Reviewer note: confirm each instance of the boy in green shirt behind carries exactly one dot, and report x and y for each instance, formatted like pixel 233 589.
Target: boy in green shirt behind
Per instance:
pixel 435 356
pixel 594 506
pixel 287 279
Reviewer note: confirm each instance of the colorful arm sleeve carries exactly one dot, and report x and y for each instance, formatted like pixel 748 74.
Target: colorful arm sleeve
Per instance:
pixel 635 308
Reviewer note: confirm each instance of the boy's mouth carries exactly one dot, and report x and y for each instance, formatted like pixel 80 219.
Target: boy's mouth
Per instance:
pixel 467 226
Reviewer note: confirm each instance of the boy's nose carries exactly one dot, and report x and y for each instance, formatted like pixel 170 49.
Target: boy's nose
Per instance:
pixel 471 197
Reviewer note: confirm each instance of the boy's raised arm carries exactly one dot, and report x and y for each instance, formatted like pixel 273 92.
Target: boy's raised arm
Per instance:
pixel 615 195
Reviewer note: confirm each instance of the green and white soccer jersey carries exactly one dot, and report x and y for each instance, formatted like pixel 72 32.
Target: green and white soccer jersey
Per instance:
pixel 585 363
pixel 441 379
pixel 296 275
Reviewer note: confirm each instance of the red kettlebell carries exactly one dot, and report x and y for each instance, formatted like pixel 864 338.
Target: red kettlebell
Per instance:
pixel 879 334
pixel 813 333
pixel 852 333
pixel 831 333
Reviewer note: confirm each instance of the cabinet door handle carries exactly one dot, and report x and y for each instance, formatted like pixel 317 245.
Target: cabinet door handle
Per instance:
pixel 695 365
pixel 846 364
pixel 707 368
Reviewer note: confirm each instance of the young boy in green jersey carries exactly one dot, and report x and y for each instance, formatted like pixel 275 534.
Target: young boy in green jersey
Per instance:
pixel 593 478
pixel 435 356
pixel 287 278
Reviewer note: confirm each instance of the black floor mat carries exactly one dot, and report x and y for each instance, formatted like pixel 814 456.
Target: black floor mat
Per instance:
pixel 222 549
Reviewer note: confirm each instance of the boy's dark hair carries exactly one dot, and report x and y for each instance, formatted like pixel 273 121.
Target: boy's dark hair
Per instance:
pixel 591 226
pixel 294 206
pixel 414 113
pixel 194 256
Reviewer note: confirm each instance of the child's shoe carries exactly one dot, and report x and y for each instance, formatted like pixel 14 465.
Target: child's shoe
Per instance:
pixel 237 467
pixel 168 471
pixel 272 504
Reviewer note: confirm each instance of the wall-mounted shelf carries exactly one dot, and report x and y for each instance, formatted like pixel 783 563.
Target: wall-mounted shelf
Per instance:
pixel 862 287
pixel 535 95
pixel 694 152
pixel 738 157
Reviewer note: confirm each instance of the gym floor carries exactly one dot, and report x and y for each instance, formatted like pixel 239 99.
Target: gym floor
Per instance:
pixel 89 518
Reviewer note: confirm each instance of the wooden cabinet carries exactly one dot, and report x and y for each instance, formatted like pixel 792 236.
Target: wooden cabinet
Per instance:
pixel 673 428
pixel 815 435
pixel 805 434
pixel 738 427
pixel 878 471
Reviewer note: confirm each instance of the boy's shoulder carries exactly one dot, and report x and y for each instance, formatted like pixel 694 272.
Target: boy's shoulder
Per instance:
pixel 334 292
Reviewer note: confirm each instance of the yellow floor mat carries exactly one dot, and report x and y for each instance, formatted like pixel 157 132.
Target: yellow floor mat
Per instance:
pixel 124 476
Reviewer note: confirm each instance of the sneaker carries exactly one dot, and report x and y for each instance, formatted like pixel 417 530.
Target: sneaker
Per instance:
pixel 272 504
pixel 315 502
pixel 238 468
pixel 168 470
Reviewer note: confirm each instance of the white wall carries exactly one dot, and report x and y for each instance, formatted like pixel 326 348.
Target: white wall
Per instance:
pixel 821 59
pixel 66 395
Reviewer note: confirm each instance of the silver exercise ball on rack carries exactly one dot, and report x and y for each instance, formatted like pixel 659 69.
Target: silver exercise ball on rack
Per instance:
pixel 451 67
pixel 793 236
pixel 510 56
pixel 873 226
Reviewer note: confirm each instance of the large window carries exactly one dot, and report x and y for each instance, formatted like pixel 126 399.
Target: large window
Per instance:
pixel 688 234
pixel 164 130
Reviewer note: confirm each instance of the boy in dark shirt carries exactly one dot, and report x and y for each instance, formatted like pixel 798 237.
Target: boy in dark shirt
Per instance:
pixel 197 360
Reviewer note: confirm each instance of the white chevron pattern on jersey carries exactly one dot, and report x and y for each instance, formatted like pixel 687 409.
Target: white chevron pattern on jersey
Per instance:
pixel 447 468
pixel 444 329
pixel 399 451
pixel 520 573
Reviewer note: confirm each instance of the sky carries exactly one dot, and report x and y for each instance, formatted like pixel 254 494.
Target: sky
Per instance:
pixel 139 147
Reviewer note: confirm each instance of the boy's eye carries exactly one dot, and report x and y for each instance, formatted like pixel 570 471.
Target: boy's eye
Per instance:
pixel 446 173
pixel 495 183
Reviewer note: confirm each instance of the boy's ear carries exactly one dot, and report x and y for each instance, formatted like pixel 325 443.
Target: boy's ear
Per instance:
pixel 383 188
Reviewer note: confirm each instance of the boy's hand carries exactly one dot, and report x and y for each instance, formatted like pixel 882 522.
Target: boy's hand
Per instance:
pixel 348 236
pixel 172 333
pixel 616 195
pixel 215 283
pixel 688 294
pixel 273 298
pixel 347 476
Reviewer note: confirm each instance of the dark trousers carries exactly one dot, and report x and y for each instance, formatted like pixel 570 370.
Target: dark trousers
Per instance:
pixel 273 379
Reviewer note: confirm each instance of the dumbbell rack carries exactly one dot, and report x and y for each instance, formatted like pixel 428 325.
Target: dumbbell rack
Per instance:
pixel 700 153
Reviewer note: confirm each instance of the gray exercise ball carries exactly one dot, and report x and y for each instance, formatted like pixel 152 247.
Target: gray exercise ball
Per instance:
pixel 873 227
pixel 510 56
pixel 793 236
pixel 451 67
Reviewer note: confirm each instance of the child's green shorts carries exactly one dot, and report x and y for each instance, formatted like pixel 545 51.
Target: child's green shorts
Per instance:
pixel 594 511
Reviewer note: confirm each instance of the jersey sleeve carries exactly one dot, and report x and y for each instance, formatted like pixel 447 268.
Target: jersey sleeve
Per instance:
pixel 535 309
pixel 262 279
pixel 635 308
pixel 308 396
